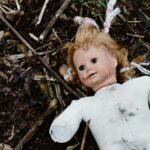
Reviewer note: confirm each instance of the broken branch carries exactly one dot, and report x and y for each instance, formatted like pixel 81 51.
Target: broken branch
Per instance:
pixel 42 12
pixel 40 58
pixel 52 106
pixel 54 19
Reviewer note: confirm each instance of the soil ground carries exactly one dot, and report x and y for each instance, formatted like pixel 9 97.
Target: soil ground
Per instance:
pixel 22 98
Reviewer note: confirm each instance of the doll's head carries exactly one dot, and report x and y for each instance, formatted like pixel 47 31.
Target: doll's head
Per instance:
pixel 91 42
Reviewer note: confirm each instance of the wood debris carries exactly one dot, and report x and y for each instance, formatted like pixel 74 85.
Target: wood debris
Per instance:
pixel 33 89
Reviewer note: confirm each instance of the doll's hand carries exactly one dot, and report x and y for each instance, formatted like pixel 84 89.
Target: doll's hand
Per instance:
pixel 85 21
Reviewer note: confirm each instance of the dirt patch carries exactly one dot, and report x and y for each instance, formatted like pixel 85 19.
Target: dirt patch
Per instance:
pixel 30 95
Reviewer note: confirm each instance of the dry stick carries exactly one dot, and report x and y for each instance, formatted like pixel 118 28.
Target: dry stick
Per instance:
pixel 17 4
pixel 125 21
pixel 145 15
pixel 42 12
pixel 33 37
pixel 57 36
pixel 54 19
pixel 135 35
pixel 35 127
pixel 52 106
pixel 5 147
pixel 58 95
pixel 84 136
pixel 40 58
pixel 134 21
pixel 51 92
pixel 147 45
pixel 20 56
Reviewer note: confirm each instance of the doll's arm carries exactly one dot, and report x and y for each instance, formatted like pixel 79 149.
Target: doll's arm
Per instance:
pixel 146 83
pixel 67 123
pixel 149 92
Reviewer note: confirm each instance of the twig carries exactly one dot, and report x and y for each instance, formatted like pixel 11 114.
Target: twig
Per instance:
pixel 147 45
pixel 34 37
pixel 15 57
pixel 84 136
pixel 58 95
pixel 57 36
pixel 17 4
pixel 39 78
pixel 134 21
pixel 4 8
pixel 135 35
pixel 51 92
pixel 72 147
pixel 5 147
pixel 10 12
pixel 145 15
pixel 47 66
pixel 42 12
pixel 12 133
pixel 26 71
pixel 54 19
pixel 43 46
pixel 125 21
pixel 52 106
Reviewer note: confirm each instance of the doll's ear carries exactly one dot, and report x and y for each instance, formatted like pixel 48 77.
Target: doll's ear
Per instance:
pixel 114 62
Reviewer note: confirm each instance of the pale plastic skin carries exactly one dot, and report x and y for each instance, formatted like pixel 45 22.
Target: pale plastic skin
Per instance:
pixel 118 113
pixel 96 67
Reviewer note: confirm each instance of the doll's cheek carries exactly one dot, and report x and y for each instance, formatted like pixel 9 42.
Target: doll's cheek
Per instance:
pixel 83 82
pixel 81 76
pixel 103 70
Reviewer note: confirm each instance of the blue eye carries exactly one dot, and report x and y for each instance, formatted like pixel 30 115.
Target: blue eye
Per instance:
pixel 94 60
pixel 81 68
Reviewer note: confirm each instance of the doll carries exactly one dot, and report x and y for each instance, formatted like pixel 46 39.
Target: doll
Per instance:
pixel 118 113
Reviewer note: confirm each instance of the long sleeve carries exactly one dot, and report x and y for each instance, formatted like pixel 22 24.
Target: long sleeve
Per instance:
pixel 148 78
pixel 67 123
pixel 146 83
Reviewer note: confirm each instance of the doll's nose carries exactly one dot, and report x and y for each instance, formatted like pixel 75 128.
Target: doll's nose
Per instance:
pixel 89 68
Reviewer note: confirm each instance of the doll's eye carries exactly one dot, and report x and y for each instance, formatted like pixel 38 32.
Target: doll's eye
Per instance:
pixel 94 60
pixel 81 67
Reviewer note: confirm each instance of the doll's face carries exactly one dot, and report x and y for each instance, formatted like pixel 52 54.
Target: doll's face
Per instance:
pixel 96 67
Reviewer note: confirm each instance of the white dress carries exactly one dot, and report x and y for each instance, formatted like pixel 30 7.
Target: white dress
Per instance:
pixel 119 116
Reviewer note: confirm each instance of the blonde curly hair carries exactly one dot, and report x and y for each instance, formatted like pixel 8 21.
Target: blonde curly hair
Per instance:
pixel 89 35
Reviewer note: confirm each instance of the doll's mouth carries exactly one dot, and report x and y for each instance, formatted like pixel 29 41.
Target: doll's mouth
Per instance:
pixel 91 75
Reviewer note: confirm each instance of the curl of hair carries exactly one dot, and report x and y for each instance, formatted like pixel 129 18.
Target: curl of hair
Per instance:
pixel 88 35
